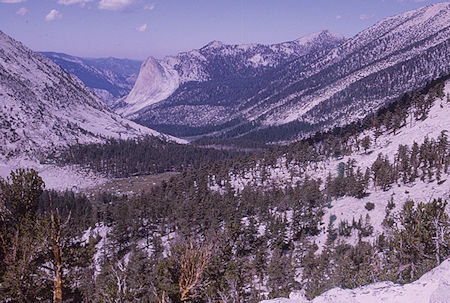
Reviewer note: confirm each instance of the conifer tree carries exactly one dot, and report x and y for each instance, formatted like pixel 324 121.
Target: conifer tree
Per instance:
pixel 365 143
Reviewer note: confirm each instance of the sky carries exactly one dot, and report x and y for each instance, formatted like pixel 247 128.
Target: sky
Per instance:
pixel 137 29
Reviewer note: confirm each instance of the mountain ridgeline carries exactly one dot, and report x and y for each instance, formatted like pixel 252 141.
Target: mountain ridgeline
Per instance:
pixel 207 82
pixel 261 92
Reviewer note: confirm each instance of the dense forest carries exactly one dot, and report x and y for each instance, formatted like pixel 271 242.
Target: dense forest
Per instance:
pixel 183 241
pixel 142 156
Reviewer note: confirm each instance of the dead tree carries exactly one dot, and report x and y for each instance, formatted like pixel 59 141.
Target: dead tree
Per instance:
pixel 193 261
pixel 58 245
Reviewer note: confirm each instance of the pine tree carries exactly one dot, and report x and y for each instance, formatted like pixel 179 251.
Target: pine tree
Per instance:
pixel 382 172
pixel 22 236
pixel 421 235
pixel 365 143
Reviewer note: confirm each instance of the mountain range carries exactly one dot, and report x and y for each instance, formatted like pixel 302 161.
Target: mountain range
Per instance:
pixel 285 91
pixel 331 215
pixel 215 64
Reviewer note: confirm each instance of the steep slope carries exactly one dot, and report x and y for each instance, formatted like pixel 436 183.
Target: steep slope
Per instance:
pixel 297 165
pixel 108 78
pixel 433 287
pixel 43 107
pixel 320 89
pixel 216 64
pixel 395 55
pixel 156 82
pixel 286 172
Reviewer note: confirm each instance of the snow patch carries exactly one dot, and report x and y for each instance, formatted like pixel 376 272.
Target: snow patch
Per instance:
pixel 55 177
pixel 433 287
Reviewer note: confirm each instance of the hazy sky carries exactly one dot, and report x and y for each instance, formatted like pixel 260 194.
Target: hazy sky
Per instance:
pixel 140 28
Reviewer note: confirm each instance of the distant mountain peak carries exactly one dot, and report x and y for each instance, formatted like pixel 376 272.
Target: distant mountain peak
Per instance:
pixel 319 35
pixel 310 38
pixel 213 44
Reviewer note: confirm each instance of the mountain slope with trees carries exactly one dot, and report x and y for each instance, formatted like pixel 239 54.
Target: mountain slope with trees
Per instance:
pixel 333 221
pixel 345 207
pixel 318 90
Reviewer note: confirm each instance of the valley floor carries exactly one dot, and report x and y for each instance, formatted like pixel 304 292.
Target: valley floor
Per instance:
pixel 129 186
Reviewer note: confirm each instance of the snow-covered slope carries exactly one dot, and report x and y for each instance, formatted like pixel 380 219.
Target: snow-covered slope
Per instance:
pixel 416 42
pixel 109 78
pixel 348 208
pixel 158 79
pixel 44 108
pixel 317 90
pixel 433 287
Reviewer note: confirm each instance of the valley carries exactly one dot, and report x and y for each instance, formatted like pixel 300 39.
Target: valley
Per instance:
pixel 313 170
pixel 108 78
pixel 327 84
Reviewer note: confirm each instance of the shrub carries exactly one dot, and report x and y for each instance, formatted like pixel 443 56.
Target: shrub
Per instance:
pixel 369 206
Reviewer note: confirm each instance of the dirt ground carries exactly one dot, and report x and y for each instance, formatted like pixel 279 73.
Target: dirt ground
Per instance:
pixel 131 185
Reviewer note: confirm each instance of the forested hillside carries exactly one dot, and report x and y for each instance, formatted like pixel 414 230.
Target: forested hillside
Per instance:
pixel 352 206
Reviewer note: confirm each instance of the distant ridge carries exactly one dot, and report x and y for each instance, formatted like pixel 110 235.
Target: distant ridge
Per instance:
pixel 215 62
pixel 109 78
